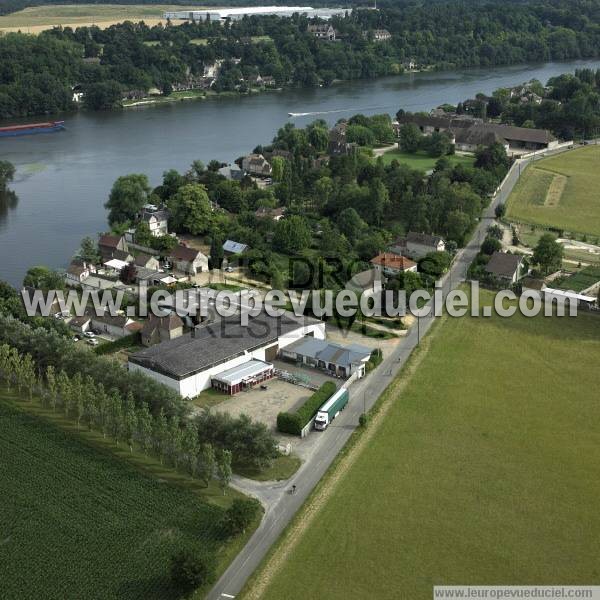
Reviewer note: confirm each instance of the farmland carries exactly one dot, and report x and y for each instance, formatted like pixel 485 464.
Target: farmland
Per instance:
pixel 560 192
pixel 481 466
pixel 422 160
pixel 78 522
pixel 38 18
pixel 581 280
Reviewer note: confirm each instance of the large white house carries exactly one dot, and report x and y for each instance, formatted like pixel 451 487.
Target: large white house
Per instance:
pixel 188 363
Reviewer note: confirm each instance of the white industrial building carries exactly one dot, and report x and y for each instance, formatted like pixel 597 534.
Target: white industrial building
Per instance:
pixel 236 14
pixel 189 363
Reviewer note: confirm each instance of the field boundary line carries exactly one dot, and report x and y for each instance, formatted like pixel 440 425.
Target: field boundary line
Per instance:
pixel 305 517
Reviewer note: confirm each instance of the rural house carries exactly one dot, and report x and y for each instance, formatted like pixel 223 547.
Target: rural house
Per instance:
pixel 109 244
pixel 156 218
pixel 161 329
pixel 188 260
pixel 77 273
pixel 417 245
pixel 505 267
pixel 323 31
pixel 389 263
pixel 256 164
pixel 115 326
pixel 147 261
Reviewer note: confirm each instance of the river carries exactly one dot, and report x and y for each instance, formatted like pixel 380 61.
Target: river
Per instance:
pixel 63 179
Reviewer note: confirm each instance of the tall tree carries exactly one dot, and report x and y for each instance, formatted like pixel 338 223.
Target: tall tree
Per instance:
pixel 548 253
pixel 127 196
pixel 190 209
pixel 224 469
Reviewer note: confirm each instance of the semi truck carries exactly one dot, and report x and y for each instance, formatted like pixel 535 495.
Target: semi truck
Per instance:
pixel 331 409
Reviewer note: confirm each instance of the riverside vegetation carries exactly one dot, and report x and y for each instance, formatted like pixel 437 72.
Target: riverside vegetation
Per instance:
pixel 37 73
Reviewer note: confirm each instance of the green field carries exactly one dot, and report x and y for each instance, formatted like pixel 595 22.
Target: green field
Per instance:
pixel 38 18
pixel 582 280
pixel 560 192
pixel 481 467
pixel 76 522
pixel 422 161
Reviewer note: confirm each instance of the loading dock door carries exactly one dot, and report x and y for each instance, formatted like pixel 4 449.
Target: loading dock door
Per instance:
pixel 271 353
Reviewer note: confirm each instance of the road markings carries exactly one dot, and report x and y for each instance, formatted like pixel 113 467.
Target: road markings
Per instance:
pixel 227 595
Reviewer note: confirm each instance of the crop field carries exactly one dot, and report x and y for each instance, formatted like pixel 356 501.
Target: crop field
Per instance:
pixel 582 280
pixel 39 18
pixel 422 161
pixel 78 523
pixel 482 466
pixel 560 192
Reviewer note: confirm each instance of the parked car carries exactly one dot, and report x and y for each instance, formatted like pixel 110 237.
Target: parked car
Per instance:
pixel 92 342
pixel 229 270
pixel 89 334
pixel 76 338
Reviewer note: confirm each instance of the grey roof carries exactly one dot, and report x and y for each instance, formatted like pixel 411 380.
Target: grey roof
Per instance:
pixel 364 280
pixel 478 135
pixel 425 239
pixel 141 260
pixel 243 372
pixel 330 351
pixel 232 172
pixel 460 127
pixel 503 265
pixel 108 319
pixel 159 215
pixel 234 247
pixel 216 343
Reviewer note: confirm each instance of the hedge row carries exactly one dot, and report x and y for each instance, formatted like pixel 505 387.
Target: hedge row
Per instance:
pixel 125 342
pixel 294 422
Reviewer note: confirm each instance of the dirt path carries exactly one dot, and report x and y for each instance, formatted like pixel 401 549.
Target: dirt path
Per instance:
pixel 306 516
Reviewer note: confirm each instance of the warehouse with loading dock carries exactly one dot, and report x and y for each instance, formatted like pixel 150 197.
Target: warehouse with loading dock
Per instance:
pixel 217 351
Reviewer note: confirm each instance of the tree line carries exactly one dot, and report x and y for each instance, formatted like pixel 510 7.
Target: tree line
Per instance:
pixel 38 72
pixel 98 393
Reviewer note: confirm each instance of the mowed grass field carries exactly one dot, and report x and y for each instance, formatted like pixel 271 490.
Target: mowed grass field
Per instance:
pixel 75 522
pixel 39 18
pixel 484 470
pixel 422 161
pixel 561 191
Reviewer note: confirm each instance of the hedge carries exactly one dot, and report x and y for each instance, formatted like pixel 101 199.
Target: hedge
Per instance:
pixel 294 422
pixel 125 342
pixel 289 423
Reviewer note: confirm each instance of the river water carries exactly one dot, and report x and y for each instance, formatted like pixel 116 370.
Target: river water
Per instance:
pixel 63 179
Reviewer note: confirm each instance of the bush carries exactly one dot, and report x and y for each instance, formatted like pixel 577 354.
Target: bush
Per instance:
pixel 289 423
pixel 239 516
pixel 491 245
pixel 363 420
pixel 192 567
pixel 376 357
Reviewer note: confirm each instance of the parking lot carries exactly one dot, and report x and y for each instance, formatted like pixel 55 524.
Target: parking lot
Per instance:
pixel 264 405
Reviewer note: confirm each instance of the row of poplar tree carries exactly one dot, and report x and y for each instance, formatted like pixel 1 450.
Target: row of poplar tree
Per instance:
pixel 90 405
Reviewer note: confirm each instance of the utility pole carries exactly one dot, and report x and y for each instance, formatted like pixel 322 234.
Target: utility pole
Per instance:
pixel 418 330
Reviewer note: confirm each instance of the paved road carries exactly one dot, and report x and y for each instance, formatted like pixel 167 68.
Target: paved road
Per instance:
pixel 280 506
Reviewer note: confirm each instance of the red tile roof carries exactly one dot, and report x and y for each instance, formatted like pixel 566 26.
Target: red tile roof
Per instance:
pixel 396 262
